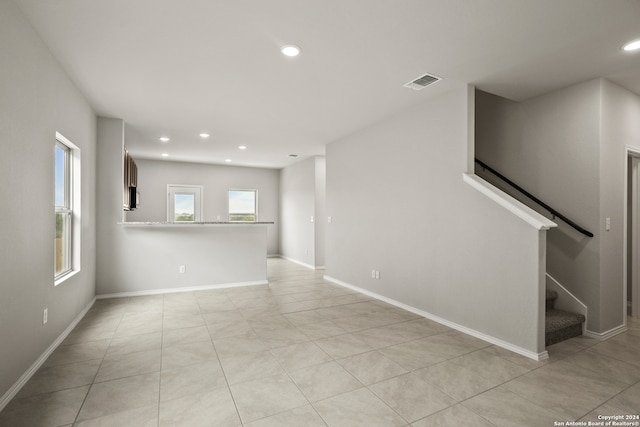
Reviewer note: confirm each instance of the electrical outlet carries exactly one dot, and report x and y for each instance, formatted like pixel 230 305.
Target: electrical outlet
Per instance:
pixel 183 269
pixel 45 316
pixel 329 219
pixel 377 274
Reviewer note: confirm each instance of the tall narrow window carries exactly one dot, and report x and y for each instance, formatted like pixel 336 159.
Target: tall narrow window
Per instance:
pixel 63 210
pixel 242 205
pixel 184 203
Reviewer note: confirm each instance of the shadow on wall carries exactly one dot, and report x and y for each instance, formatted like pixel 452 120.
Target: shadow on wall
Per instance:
pixel 570 242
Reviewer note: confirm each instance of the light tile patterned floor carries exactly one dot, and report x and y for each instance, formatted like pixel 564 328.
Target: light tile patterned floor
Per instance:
pixel 304 352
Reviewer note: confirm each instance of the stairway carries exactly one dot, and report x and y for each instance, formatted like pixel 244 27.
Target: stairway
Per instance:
pixel 560 325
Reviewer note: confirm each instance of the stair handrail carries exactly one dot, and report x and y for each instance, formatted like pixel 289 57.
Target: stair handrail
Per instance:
pixel 552 211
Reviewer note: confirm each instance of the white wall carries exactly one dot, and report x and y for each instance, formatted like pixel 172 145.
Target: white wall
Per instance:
pixel 302 212
pixel 320 210
pixel 567 148
pixel 154 175
pixel 399 205
pixel 37 99
pixel 297 206
pixel 549 146
pixel 620 129
pixel 147 259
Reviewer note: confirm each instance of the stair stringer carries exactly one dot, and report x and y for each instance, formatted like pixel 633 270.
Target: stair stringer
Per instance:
pixel 566 300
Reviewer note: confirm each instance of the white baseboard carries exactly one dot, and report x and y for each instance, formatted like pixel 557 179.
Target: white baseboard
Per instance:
pixel 176 290
pixel 496 341
pixel 295 261
pixel 15 389
pixel 607 334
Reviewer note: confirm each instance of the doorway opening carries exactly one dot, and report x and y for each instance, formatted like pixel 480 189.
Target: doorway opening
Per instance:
pixel 184 203
pixel 632 288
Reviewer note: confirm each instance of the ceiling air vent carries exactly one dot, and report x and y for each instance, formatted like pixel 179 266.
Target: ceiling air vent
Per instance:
pixel 422 82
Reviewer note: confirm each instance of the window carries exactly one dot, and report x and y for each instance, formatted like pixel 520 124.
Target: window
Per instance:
pixel 184 203
pixel 67 208
pixel 242 205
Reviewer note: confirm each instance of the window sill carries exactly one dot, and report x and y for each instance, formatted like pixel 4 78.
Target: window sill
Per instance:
pixel 69 275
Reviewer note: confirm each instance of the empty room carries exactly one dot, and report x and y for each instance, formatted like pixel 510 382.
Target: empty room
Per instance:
pixel 320 213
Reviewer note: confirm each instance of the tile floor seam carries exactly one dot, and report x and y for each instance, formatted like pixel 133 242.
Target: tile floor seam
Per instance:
pixel 606 356
pixel 280 413
pixel 398 413
pixel 480 415
pixel 288 374
pixel 484 391
pixel 360 314
pixel 444 392
pixel 508 391
pixel 559 416
pixel 609 400
pixel 504 359
pixel 159 411
pixel 233 398
pixel 456 404
pixel 592 350
pixel 93 381
pixel 226 379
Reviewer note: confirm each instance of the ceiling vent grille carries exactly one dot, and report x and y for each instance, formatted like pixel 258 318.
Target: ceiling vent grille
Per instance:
pixel 422 82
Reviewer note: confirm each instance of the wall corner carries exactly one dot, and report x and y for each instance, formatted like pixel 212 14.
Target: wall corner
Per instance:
pixel 471 128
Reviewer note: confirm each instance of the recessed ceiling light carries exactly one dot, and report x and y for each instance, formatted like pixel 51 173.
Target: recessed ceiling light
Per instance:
pixel 634 45
pixel 290 50
pixel 164 139
pixel 227 160
pixel 242 147
pixel 164 155
pixel 204 135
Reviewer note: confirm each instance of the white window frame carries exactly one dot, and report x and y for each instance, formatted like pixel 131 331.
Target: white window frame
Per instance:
pixel 71 209
pixel 177 189
pixel 255 205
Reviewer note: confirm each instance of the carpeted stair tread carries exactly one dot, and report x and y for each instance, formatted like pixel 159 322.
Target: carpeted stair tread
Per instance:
pixel 550 300
pixel 558 319
pixel 561 325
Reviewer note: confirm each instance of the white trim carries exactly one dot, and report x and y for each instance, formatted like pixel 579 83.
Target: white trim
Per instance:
pixel 471 128
pixel 186 289
pixel 69 275
pixel 198 201
pixel 511 204
pixel 630 151
pixel 496 341
pixel 607 334
pixel 568 292
pixel 575 306
pixel 295 261
pixel 255 204
pixel 15 388
pixel 75 207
